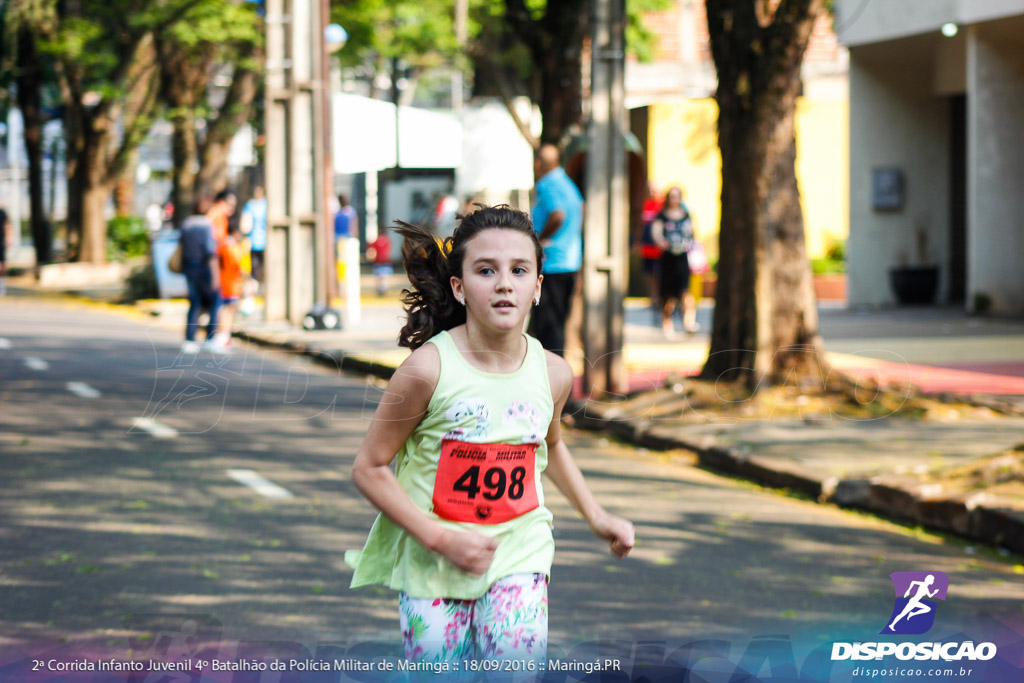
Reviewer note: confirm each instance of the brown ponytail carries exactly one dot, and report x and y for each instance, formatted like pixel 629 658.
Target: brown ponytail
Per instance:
pixel 430 263
pixel 430 305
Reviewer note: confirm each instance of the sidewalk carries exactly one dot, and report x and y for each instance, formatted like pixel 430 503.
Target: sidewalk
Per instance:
pixel 881 465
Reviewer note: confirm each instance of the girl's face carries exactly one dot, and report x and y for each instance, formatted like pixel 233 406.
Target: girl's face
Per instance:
pixel 500 278
pixel 675 197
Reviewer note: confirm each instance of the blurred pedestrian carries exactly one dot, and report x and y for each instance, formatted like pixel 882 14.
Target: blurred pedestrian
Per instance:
pixel 650 252
pixel 201 268
pixel 445 212
pixel 380 253
pixel 221 212
pixel 253 223
pixel 233 274
pixel 558 218
pixel 346 221
pixel 672 230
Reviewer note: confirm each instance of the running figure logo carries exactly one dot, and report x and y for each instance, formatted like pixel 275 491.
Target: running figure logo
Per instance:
pixel 914 612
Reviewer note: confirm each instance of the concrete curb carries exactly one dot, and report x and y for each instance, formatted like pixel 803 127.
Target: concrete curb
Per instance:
pixel 336 360
pixel 967 517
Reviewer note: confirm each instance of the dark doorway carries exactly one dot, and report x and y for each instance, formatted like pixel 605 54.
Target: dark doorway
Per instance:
pixel 958 200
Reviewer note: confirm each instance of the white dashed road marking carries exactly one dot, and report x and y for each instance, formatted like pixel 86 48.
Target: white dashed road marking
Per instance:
pixel 262 486
pixel 83 390
pixel 33 363
pixel 156 429
pixel 5 344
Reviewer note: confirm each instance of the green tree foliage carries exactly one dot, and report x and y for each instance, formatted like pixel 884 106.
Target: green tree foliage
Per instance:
pixel 421 32
pixel 32 78
pixel 103 56
pixel 513 48
pixel 215 43
pixel 641 41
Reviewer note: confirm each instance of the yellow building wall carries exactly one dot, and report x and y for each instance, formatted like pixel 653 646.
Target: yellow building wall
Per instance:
pixel 683 150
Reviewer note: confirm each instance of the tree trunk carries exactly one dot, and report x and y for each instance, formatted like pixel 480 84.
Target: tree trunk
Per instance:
pixel 95 194
pixel 29 81
pixel 184 76
pixel 124 187
pixel 213 170
pixel 561 99
pixel 765 328
pixel 555 42
pixel 100 140
pixel 74 155
pixel 185 155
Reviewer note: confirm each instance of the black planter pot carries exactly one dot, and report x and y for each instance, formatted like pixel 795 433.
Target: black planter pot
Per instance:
pixel 914 284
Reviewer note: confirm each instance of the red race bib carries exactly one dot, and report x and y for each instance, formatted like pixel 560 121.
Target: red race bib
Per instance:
pixel 485 483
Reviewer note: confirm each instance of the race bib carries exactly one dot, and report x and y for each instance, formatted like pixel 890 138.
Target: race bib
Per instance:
pixel 485 483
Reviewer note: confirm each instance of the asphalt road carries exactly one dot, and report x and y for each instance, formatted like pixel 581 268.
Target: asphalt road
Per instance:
pixel 116 532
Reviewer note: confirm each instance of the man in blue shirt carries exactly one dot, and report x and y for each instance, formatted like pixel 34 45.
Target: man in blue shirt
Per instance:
pixel 346 223
pixel 558 217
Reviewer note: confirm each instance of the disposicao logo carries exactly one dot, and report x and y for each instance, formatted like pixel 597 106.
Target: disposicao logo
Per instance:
pixel 913 614
pixel 914 610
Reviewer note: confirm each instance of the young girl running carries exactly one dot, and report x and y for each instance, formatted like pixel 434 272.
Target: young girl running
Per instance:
pixel 473 417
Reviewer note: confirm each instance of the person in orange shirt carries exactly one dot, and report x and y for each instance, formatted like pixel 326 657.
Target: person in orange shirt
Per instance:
pixel 232 282
pixel 223 208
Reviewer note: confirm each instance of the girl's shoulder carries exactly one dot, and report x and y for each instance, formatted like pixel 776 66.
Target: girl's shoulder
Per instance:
pixel 560 376
pixel 422 367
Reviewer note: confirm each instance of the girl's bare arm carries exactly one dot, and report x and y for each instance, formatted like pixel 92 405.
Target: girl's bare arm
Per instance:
pixel 565 473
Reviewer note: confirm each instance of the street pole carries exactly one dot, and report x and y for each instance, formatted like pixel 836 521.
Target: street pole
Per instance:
pixel 15 139
pixel 605 240
pixel 329 274
pixel 299 266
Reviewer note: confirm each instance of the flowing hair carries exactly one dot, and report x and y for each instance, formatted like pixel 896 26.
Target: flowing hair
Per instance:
pixel 430 263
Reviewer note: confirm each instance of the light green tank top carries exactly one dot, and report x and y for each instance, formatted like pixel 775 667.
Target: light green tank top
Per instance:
pixel 474 406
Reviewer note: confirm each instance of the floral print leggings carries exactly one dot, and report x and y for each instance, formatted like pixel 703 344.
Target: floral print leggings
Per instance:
pixel 510 621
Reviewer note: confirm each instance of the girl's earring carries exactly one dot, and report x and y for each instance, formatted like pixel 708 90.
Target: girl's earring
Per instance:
pixel 462 301
pixel 536 301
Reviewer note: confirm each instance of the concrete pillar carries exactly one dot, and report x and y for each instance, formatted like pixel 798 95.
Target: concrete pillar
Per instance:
pixel 995 138
pixel 605 250
pixel 299 264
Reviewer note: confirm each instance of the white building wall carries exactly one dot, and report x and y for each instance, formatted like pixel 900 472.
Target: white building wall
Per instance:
pixel 995 268
pixel 859 22
pixel 896 121
pixel 497 161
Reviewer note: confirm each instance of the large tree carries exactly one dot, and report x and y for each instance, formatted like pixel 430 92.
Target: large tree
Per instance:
pixel 419 33
pixel 554 37
pixel 104 52
pixel 220 43
pixel 22 65
pixel 515 47
pixel 536 49
pixel 765 326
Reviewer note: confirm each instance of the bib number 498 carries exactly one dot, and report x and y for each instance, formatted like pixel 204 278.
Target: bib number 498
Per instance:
pixel 485 483
pixel 494 482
